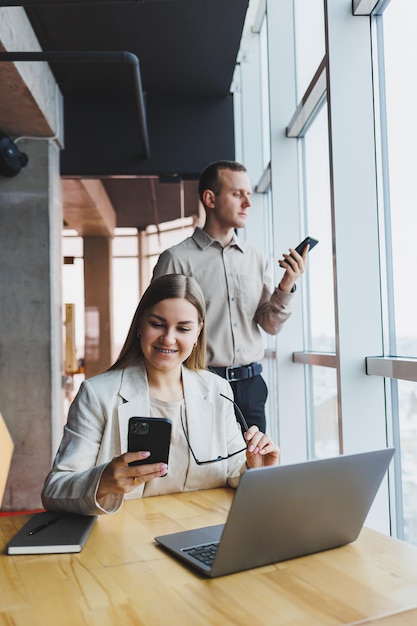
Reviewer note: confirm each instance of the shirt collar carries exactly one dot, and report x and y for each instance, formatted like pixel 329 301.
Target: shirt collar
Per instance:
pixel 203 240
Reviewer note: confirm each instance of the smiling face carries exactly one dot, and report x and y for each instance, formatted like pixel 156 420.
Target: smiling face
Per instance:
pixel 168 332
pixel 229 207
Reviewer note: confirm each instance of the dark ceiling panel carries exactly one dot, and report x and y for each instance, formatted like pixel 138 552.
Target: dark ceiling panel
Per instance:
pixel 187 47
pixel 102 137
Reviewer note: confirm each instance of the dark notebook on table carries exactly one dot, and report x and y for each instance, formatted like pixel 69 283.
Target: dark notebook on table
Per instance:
pixel 52 533
pixel 286 511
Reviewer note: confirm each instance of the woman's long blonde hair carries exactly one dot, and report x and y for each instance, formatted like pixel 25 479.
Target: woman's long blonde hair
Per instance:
pixel 162 288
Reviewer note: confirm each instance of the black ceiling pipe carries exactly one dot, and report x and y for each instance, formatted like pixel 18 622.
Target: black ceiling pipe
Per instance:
pixel 99 56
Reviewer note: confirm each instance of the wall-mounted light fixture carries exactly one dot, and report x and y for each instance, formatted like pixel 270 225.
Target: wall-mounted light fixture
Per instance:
pixel 11 158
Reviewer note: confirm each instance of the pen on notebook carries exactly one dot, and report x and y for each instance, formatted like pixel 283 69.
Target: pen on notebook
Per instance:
pixel 45 525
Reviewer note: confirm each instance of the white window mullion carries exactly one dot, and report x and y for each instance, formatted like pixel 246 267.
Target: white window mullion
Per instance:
pixel 286 223
pixel 357 271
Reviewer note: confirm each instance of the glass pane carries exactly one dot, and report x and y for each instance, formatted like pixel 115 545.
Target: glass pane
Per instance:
pixel 324 433
pixel 125 298
pixel 266 148
pixel 407 404
pixel 400 50
pixel 319 274
pixel 125 246
pixel 309 41
pixel 73 293
pixel 72 244
pixel 270 341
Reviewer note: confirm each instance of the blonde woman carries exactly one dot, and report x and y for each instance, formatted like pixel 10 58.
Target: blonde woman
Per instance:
pixel 160 372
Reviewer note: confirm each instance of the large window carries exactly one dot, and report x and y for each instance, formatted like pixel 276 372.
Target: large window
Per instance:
pixel 342 169
pixel 398 53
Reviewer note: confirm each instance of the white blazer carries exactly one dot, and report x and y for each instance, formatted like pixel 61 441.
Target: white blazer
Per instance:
pixel 96 432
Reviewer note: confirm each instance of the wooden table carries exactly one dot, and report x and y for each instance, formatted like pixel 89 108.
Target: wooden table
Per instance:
pixel 123 578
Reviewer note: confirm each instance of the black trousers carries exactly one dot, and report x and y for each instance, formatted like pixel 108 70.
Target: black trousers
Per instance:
pixel 251 394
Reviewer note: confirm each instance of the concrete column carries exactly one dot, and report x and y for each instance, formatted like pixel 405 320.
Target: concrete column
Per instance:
pixel 31 395
pixel 98 304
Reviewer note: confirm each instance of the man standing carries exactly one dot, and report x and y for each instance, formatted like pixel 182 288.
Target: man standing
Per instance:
pixel 238 288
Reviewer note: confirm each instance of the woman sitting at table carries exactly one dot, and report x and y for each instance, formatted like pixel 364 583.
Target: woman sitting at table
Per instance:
pixel 160 372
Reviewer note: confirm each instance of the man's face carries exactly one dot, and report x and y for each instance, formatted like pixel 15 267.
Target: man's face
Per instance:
pixel 231 205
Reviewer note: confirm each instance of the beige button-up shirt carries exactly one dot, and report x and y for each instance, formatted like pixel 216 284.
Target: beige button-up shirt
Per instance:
pixel 239 293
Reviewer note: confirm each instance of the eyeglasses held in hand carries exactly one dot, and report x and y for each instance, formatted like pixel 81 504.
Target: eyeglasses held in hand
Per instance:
pixel 241 421
pixel 239 415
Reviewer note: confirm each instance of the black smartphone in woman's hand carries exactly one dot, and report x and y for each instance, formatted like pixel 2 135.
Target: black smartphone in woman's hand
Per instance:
pixel 151 434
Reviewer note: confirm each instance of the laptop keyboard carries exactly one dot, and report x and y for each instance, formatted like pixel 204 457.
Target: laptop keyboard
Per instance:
pixel 204 553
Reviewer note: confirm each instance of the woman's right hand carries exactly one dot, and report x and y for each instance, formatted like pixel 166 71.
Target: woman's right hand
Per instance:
pixel 120 477
pixel 261 451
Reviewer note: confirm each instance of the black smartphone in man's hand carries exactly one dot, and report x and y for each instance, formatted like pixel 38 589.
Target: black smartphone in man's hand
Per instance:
pixel 151 434
pixel 307 241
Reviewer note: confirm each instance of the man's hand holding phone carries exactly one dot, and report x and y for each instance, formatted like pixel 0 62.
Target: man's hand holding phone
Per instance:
pixel 295 263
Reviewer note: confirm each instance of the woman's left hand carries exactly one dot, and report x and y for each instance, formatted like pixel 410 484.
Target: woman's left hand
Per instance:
pixel 261 450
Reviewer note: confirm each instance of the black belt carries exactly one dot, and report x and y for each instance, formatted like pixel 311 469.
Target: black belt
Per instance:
pixel 238 372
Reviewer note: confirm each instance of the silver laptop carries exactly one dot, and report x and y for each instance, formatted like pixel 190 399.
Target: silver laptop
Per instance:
pixel 286 511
